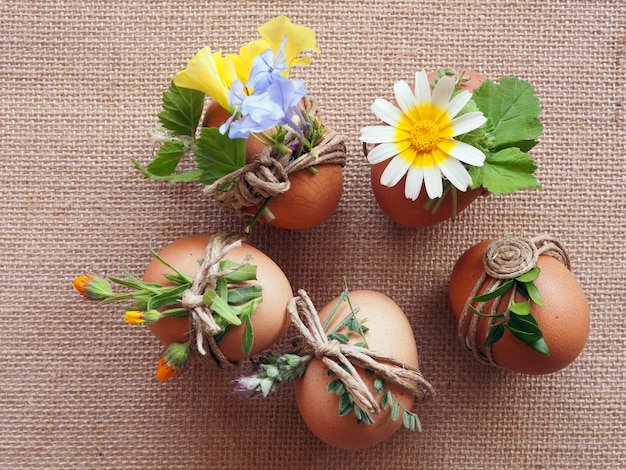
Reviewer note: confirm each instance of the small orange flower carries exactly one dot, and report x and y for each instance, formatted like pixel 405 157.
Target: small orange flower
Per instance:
pixel 81 283
pixel 134 317
pixel 165 370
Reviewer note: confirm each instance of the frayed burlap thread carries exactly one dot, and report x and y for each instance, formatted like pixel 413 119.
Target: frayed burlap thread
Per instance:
pixel 202 325
pixel 268 175
pixel 342 359
pixel 503 260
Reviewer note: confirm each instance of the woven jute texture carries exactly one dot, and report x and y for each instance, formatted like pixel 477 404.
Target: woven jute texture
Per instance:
pixel 81 83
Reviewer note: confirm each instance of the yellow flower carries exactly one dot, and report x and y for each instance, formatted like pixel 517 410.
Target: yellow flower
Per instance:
pixel 211 73
pixel 214 73
pixel 134 317
pixel 299 39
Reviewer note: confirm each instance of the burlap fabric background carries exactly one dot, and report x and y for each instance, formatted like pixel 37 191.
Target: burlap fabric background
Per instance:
pixel 81 83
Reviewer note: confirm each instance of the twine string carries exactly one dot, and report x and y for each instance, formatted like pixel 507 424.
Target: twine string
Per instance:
pixel 342 359
pixel 503 260
pixel 268 175
pixel 202 324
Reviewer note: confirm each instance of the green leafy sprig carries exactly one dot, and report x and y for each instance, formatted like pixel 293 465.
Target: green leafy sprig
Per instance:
pixel 512 129
pixel 518 318
pixel 232 302
pixel 271 370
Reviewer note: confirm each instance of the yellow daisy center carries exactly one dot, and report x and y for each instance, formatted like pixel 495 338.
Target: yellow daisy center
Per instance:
pixel 424 136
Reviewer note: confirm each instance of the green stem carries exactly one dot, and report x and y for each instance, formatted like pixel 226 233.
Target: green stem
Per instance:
pixel 263 211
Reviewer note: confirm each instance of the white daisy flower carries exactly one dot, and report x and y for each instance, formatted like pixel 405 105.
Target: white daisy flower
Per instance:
pixel 419 137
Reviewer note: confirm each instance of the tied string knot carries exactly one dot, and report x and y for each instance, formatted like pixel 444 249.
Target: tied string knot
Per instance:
pixel 268 175
pixel 342 359
pixel 503 261
pixel 202 324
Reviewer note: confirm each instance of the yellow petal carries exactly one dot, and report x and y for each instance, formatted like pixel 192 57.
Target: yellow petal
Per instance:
pixel 210 73
pixel 299 39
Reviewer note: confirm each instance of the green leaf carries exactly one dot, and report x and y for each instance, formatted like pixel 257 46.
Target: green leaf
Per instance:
pixel 495 334
pixel 395 410
pixel 247 272
pixel 340 337
pixel 182 109
pixel 169 296
pixel 336 386
pixel 346 403
pixel 220 307
pixel 541 347
pixel 533 293
pixel 513 110
pixel 494 293
pixel 520 308
pixel 379 385
pixel 530 275
pixel 182 177
pixel 408 421
pixel 247 339
pixel 167 158
pixel 485 315
pixel 525 328
pixel 218 155
pixel 505 171
pixel 240 295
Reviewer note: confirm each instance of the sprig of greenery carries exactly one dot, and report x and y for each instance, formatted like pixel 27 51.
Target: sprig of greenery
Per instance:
pixel 232 302
pixel 513 128
pixel 517 318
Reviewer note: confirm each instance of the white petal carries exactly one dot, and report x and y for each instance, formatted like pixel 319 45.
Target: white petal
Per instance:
pixel 467 122
pixel 378 134
pixel 457 103
pixel 382 152
pixel 466 153
pixel 413 184
pixel 394 172
pixel 386 111
pixel 404 95
pixel 443 91
pixel 456 173
pixel 432 180
pixel 422 87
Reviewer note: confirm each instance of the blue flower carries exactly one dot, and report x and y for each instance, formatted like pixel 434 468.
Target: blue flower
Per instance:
pixel 267 67
pixel 274 99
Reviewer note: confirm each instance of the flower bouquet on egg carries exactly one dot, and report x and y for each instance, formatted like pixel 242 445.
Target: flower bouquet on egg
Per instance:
pixel 258 145
pixel 449 138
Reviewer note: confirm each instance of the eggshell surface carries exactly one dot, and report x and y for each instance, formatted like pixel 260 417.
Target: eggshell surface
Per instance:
pixel 389 332
pixel 270 319
pixel 564 318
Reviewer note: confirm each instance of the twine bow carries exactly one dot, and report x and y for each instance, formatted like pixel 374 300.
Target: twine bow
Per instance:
pixel 202 325
pixel 268 175
pixel 342 359
pixel 503 260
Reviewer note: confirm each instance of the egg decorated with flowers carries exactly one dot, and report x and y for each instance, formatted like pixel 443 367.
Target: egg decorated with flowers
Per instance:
pixel 259 146
pixel 447 139
pixel 204 295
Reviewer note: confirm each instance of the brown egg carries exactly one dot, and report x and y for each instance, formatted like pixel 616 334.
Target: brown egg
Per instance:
pixel 389 332
pixel 563 319
pixel 270 319
pixel 311 199
pixel 409 213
